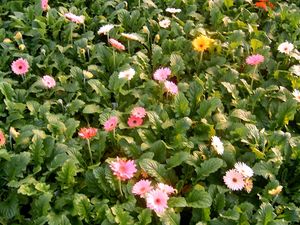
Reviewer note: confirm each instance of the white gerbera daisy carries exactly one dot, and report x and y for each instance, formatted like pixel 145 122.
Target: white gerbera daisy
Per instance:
pixel 286 47
pixel 243 169
pixel 296 94
pixel 127 74
pixel 217 144
pixel 105 29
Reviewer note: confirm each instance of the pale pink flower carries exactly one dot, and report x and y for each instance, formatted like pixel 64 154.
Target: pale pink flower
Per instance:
pixel 44 5
pixel 243 169
pixel 285 47
pixel 296 94
pixel 76 19
pixel 123 169
pixel 162 74
pixel 164 23
pixel 111 123
pixel 234 180
pixel 166 188
pixel 20 66
pixel 141 188
pixel 139 112
pixel 157 200
pixel 254 59
pixel 2 138
pixel 116 44
pixel 134 121
pixel 105 29
pixel 171 87
pixel 48 81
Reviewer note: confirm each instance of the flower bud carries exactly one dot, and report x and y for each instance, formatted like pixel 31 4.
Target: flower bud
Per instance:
pixel 18 35
pixel 13 132
pixel 7 40
pixel 87 74
pixel 22 47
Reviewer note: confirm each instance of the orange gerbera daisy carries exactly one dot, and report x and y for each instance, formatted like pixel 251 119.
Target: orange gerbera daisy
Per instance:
pixel 202 43
pixel 264 4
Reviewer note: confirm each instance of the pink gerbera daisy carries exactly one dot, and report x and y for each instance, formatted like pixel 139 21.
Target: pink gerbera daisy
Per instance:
pixel 234 180
pixel 138 112
pixel 254 60
pixel 48 81
pixel 2 138
pixel 44 5
pixel 166 188
pixel 157 200
pixel 87 132
pixel 76 19
pixel 123 169
pixel 111 123
pixel 141 188
pixel 20 66
pixel 116 44
pixel 134 121
pixel 171 87
pixel 162 74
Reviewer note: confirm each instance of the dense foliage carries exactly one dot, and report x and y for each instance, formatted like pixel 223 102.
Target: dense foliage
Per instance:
pixel 56 169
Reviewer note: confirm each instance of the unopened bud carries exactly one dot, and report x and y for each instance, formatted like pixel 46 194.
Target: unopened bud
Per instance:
pixel 157 38
pixel 87 74
pixel 7 40
pixel 22 47
pixel 18 35
pixel 13 132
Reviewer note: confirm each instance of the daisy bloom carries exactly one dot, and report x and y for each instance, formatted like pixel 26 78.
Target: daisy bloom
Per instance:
pixel 164 23
pixel 44 5
pixel 295 69
pixel 116 44
pixel 171 87
pixel 264 4
pixel 234 180
pixel 166 188
pixel 285 47
pixel 217 144
pixel 76 19
pixel 254 60
pixel 139 112
pixel 87 132
pixel 134 121
pixel 105 29
pixel 173 10
pixel 127 74
pixel 141 188
pixel 132 36
pixel 202 43
pixel 111 123
pixel 296 94
pixel 243 169
pixel 162 74
pixel 48 81
pixel 123 169
pixel 20 66
pixel 157 200
pixel 2 138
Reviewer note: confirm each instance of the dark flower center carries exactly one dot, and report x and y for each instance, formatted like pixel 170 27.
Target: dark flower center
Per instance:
pixel 234 180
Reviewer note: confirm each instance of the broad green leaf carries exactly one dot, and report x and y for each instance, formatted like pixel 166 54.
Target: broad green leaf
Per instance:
pixel 265 169
pixel 67 174
pixel 177 63
pixel 256 44
pixel 4 154
pixel 154 169
pixel 228 3
pixel 82 206
pixel 199 199
pixel 16 165
pixel 207 167
pixel 170 218
pixel 92 108
pixel 7 90
pixel 55 219
pixel 75 106
pixel 265 214
pixel 98 87
pixel 145 217
pixel 41 205
pixel 207 107
pixel 286 112
pixel 243 115
pixel 37 149
pixel 9 207
pixel 71 125
pixel 177 159
pixel 177 202
pixel 181 105
pixel 231 214
pixel 182 125
pixel 122 217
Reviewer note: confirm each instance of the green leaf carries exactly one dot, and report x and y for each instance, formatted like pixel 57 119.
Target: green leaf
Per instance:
pixel 145 217
pixel 71 125
pixel 170 218
pixel 265 169
pixel 256 44
pixel 177 202
pixel 243 115
pixel 177 63
pixel 286 112
pixel 177 159
pixel 4 154
pixel 265 214
pixel 37 149
pixel 41 205
pixel 55 219
pixel 74 106
pixel 67 174
pixel 154 169
pixel 207 107
pixel 199 199
pixel 228 3
pixel 231 214
pixel 99 88
pixel 195 92
pixel 7 90
pixel 16 165
pixel 92 108
pixel 82 206
pixel 9 207
pixel 122 217
pixel 181 105
pixel 208 167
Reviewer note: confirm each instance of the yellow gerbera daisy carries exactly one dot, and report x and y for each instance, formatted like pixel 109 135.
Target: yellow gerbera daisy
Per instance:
pixel 202 43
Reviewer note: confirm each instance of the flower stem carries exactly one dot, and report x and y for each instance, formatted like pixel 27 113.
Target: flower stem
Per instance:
pixel 120 187
pixel 252 76
pixel 114 56
pixel 90 152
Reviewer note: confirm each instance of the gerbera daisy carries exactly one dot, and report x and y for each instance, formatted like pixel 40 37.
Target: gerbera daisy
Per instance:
pixel 162 74
pixel 285 47
pixel 234 180
pixel 48 81
pixel 166 188
pixel 139 112
pixel 202 43
pixel 105 29
pixel 116 44
pixel 296 94
pixel 164 23
pixel 141 188
pixel 111 123
pixel 20 66
pixel 134 121
pixel 173 10
pixel 243 169
pixel 171 87
pixel 76 19
pixel 295 69
pixel 127 74
pixel 44 5
pixel 2 138
pixel 217 144
pixel 123 169
pixel 87 132
pixel 157 200
pixel 254 59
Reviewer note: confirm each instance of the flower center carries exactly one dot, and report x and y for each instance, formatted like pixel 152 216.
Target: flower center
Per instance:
pixel 157 201
pixel 20 67
pixel 234 180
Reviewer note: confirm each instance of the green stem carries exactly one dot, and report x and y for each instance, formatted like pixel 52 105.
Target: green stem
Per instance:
pixel 252 77
pixel 120 187
pixel 90 152
pixel 114 56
